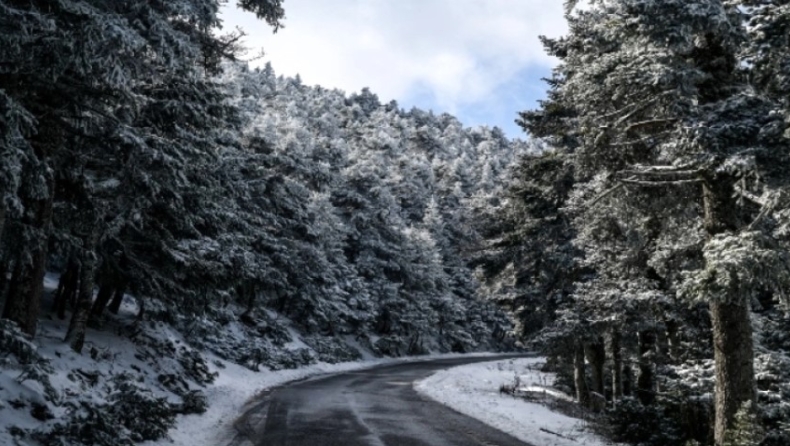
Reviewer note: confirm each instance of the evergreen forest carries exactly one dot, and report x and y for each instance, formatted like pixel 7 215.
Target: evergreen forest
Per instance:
pixel 158 190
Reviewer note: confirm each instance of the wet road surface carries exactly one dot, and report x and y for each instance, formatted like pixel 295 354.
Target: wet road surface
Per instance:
pixel 376 407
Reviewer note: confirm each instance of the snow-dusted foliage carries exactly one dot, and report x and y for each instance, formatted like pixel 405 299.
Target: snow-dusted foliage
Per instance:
pixel 226 201
pixel 360 207
pixel 671 118
pixel 740 266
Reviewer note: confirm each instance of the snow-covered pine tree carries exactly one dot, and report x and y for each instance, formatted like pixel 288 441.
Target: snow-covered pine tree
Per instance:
pixel 653 95
pixel 102 66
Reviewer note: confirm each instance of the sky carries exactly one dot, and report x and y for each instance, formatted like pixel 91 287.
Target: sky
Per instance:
pixel 479 60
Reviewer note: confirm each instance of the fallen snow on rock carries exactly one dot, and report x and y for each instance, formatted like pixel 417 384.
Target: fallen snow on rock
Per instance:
pixel 473 389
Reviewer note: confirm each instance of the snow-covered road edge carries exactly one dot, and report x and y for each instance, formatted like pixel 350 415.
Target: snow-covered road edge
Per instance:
pixel 236 386
pixel 473 390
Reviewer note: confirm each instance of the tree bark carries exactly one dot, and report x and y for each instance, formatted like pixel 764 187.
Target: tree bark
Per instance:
pixel 117 299
pixel 67 286
pixel 617 365
pixel 4 267
pixel 596 356
pixel 628 379
pixel 2 219
pixel 644 382
pixel 673 340
pixel 731 319
pixel 75 336
pixel 106 291
pixel 579 376
pixel 23 301
pixel 246 292
pixel 734 357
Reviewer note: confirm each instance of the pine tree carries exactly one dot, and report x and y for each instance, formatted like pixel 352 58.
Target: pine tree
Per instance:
pixel 78 77
pixel 651 96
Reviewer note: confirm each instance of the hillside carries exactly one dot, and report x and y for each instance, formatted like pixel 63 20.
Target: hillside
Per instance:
pixel 314 226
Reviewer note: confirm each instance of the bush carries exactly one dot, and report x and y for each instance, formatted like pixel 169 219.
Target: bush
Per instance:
pixel 13 341
pixel 631 422
pixel 195 366
pixel 138 410
pixel 87 425
pixel 193 402
pixel 132 414
pixel 331 349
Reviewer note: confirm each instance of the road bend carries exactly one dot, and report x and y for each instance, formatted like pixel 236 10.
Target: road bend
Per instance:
pixel 372 407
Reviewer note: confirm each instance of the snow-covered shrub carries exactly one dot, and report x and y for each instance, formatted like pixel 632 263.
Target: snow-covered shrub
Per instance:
pixel 746 430
pixel 392 345
pixel 331 349
pixel 169 357
pixel 14 342
pixel 130 414
pixel 633 423
pixel 87 424
pixel 145 416
pixel 291 359
pixel 458 341
pixel 772 371
pixel 195 366
pixel 192 402
pixel 173 383
pixel 17 352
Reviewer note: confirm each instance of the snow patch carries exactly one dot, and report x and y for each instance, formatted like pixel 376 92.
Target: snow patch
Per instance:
pixel 473 390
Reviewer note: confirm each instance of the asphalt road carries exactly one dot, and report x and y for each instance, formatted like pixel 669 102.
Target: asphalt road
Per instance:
pixel 376 407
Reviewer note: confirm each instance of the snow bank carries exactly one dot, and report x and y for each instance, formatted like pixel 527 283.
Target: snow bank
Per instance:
pixel 473 390
pixel 236 386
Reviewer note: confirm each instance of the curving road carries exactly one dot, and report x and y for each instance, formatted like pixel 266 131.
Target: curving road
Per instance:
pixel 376 407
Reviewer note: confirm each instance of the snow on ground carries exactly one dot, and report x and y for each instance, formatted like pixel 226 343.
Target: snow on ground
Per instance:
pixel 473 390
pixel 236 386
pixel 227 397
pixel 107 354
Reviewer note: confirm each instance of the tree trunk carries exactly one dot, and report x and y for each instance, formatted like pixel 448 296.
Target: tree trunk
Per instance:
pixel 628 379
pixel 734 357
pixel 3 258
pixel 673 340
pixel 141 311
pixel 117 299
pixel 731 322
pixel 644 382
pixel 596 356
pixel 617 365
pixel 2 219
pixel 73 288
pixel 24 295
pixel 4 267
pixel 579 376
pixel 246 291
pixel 67 286
pixel 106 292
pixel 75 336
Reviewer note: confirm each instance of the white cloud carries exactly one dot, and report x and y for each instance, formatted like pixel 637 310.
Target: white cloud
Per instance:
pixel 459 51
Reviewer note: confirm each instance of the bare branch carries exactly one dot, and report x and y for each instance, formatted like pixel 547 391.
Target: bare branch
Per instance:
pixel 603 195
pixel 657 183
pixel 640 140
pixel 648 123
pixel 767 207
pixel 659 168
pixel 662 173
pixel 753 198
pixel 637 110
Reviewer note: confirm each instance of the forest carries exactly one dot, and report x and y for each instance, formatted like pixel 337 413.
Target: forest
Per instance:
pixel 153 185
pixel 647 250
